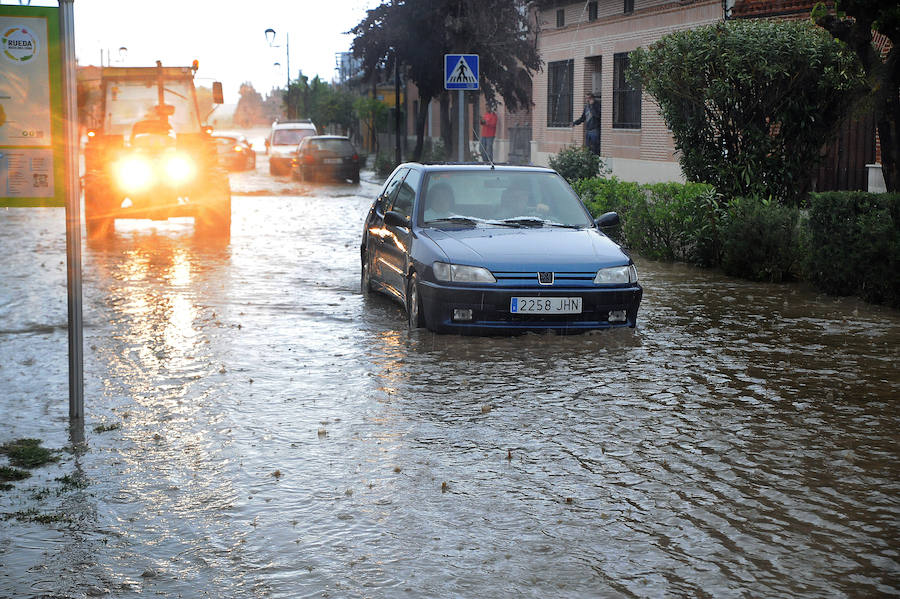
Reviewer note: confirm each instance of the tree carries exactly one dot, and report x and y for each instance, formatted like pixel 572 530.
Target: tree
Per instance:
pixel 249 110
pixel 854 24
pixel 320 101
pixel 750 103
pixel 499 31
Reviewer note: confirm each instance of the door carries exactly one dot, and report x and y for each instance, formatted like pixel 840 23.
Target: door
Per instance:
pixel 375 230
pixel 397 241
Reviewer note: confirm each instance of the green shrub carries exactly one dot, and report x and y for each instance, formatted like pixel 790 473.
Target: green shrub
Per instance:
pixel 384 164
pixel 750 102
pixel 760 240
pixel 674 221
pixel 667 221
pixel 577 162
pixel 853 245
pixel 434 150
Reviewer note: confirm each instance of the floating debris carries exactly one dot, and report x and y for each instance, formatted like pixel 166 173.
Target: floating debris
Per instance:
pixel 486 408
pixel 277 474
pixel 444 487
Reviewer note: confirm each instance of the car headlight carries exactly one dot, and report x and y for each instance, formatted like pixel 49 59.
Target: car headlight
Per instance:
pixel 616 275
pixel 458 273
pixel 179 169
pixel 134 173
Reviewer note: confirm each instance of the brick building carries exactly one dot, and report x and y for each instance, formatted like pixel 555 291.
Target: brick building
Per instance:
pixel 585 47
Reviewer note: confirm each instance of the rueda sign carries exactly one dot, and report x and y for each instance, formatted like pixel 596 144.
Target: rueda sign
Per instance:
pixel 32 146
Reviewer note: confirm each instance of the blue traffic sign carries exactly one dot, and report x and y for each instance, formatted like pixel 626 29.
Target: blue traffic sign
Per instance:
pixel 461 71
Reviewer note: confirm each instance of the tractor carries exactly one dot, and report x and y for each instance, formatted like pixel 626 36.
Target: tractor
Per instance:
pixel 149 154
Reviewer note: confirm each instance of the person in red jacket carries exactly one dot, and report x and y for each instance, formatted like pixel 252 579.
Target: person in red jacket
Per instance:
pixel 488 131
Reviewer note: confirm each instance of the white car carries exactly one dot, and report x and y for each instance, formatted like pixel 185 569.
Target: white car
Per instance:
pixel 282 143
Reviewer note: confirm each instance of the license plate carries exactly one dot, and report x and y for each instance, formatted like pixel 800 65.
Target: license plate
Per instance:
pixel 545 305
pixel 332 161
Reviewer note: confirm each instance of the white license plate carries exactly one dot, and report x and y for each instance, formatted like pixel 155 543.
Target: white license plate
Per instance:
pixel 332 161
pixel 545 305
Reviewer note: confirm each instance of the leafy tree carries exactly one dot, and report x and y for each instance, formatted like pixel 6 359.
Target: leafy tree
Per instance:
pixel 854 24
pixel 750 103
pixel 249 110
pixel 499 31
pixel 374 114
pixel 322 102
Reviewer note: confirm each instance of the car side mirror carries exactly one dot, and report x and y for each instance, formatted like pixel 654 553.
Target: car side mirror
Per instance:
pixel 609 219
pixel 218 96
pixel 395 219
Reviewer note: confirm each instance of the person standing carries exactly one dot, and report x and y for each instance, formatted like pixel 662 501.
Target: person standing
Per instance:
pixel 488 131
pixel 590 116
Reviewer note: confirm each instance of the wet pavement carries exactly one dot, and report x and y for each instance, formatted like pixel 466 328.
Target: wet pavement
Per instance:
pixel 256 428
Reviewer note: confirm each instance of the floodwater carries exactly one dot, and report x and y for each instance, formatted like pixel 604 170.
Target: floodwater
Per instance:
pixel 256 428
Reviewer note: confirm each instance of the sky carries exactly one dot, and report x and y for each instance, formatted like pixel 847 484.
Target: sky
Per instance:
pixel 227 37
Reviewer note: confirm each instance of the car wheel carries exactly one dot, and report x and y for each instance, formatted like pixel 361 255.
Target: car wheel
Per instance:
pixel 414 303
pixel 365 276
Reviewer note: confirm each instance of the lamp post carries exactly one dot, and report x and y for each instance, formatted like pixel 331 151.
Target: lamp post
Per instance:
pixel 270 38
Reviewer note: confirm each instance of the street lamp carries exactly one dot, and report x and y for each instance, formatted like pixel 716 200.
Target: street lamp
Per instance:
pixel 270 38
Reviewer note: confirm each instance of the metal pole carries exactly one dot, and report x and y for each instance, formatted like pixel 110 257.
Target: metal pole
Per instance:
pixel 462 126
pixel 397 147
pixel 73 213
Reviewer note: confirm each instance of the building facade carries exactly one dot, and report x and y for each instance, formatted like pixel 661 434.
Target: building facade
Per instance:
pixel 585 48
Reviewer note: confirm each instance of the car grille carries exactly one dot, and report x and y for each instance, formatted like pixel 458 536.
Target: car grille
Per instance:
pixel 530 279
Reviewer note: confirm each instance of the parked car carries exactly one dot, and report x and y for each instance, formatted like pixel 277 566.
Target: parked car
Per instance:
pixel 235 152
pixel 482 249
pixel 281 144
pixel 326 156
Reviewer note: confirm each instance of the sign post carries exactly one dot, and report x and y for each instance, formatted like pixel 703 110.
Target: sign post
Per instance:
pixel 39 140
pixel 461 73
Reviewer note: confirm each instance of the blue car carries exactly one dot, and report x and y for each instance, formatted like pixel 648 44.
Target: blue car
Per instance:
pixel 482 249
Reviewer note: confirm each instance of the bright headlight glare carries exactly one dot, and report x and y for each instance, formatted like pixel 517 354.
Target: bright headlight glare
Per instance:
pixel 458 273
pixel 179 169
pixel 134 174
pixel 616 275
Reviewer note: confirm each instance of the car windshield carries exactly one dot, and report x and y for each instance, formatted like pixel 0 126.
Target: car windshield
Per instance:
pixel 128 102
pixel 341 147
pixel 290 137
pixel 500 197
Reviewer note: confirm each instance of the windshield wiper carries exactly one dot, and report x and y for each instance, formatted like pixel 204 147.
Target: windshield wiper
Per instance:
pixel 529 221
pixel 455 219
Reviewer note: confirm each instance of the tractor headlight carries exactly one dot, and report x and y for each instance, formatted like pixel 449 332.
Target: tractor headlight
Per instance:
pixel 134 173
pixel 179 169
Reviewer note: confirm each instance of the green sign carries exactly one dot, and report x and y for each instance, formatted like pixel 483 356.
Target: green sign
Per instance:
pixel 32 128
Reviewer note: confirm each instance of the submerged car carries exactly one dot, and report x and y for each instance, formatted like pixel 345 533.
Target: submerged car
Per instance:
pixel 235 152
pixel 326 157
pixel 495 249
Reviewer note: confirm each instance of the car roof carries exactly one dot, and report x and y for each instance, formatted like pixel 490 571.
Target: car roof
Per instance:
pixel 326 137
pixel 474 166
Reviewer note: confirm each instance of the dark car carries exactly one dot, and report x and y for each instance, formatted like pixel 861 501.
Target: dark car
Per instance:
pixel 326 157
pixel 482 249
pixel 235 152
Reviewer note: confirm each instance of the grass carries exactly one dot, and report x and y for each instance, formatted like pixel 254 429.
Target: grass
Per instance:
pixel 28 453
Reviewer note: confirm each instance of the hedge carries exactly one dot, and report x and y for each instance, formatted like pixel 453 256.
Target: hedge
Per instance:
pixel 846 243
pixel 853 245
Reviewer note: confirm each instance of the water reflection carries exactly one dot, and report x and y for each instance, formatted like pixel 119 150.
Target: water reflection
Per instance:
pixel 273 433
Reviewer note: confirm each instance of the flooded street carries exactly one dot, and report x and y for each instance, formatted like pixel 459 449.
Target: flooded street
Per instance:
pixel 256 428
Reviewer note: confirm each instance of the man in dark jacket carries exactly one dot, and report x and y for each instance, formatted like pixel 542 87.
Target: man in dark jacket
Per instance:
pixel 590 116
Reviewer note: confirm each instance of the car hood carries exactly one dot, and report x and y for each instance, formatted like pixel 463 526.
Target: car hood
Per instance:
pixel 550 248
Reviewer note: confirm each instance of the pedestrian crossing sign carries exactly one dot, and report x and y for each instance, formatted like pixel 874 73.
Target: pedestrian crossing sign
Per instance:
pixel 461 71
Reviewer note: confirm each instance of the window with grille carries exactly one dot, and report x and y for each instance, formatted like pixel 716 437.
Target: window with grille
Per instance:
pixel 626 96
pixel 561 18
pixel 592 11
pixel 559 93
pixel 629 6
